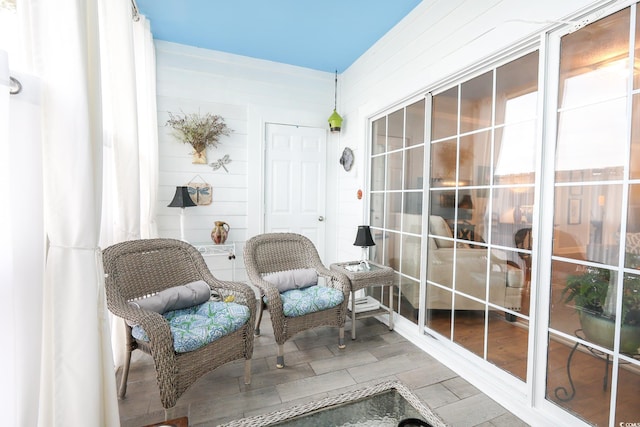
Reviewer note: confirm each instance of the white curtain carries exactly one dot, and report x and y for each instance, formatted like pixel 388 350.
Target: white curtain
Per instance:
pixel 145 59
pixel 77 385
pixel 130 135
pixel 22 250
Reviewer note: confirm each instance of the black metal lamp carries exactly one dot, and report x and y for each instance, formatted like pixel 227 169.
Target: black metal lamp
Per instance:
pixel 364 240
pixel 181 200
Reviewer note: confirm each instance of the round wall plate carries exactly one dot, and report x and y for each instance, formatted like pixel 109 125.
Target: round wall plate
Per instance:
pixel 346 160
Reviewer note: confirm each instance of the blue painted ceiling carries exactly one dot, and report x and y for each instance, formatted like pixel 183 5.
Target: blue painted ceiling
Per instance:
pixel 324 35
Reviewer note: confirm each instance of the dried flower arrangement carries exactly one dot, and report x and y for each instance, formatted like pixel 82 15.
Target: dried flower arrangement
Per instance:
pixel 198 130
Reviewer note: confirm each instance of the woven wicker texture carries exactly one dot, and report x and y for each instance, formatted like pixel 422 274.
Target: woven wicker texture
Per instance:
pixel 345 398
pixel 274 252
pixel 140 268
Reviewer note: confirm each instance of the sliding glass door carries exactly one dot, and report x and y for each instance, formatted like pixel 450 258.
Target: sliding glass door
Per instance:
pixel 481 207
pixel 594 304
pixel 531 219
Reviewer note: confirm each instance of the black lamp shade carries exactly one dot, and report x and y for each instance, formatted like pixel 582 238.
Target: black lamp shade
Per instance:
pixel 181 199
pixel 363 238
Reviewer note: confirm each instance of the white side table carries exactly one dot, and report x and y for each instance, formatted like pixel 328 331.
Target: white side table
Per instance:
pixel 228 250
pixel 360 278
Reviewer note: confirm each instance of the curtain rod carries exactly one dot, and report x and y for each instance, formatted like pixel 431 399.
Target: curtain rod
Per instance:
pixel 135 11
pixel 16 86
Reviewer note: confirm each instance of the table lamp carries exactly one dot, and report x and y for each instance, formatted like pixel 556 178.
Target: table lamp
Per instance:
pixel 364 240
pixel 181 200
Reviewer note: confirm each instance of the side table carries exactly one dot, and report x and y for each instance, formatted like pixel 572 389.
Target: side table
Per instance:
pixel 362 277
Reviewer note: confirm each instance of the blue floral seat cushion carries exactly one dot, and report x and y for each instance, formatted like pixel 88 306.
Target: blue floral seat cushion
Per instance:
pixel 298 302
pixel 194 327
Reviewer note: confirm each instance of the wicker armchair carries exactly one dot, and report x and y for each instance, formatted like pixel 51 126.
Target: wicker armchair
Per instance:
pixel 140 268
pixel 276 252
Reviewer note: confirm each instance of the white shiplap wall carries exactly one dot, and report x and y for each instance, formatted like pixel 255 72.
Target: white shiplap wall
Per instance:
pixel 247 93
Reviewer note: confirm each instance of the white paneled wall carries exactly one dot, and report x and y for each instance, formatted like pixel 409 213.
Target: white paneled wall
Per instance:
pixel 248 93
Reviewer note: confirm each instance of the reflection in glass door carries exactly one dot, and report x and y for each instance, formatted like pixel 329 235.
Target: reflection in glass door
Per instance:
pixel 481 210
pixel 594 313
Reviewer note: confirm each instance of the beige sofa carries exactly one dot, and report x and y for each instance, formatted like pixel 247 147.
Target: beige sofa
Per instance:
pixel 506 280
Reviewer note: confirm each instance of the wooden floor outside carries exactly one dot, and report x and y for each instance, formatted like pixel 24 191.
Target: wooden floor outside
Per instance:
pixel 315 369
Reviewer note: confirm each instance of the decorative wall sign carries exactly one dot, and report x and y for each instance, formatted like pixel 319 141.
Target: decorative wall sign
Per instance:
pixel 200 192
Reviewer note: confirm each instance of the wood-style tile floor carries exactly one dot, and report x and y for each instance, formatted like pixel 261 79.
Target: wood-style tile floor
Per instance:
pixel 315 368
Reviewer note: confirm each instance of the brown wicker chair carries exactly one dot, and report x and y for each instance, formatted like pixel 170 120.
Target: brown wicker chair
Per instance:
pixel 140 268
pixel 275 252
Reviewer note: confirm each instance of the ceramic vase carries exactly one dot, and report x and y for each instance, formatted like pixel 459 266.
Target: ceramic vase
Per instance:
pixel 220 232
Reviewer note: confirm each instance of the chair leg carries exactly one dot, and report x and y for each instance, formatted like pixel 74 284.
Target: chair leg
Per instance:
pixel 125 374
pixel 247 371
pixel 280 358
pixel 341 343
pixel 261 310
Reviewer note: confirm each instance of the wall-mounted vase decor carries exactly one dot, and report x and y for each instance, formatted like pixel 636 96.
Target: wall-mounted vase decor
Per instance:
pixel 220 232
pixel 198 130
pixel 199 157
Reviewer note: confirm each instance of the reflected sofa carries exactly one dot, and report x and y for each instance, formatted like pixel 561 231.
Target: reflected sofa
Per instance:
pixel 506 280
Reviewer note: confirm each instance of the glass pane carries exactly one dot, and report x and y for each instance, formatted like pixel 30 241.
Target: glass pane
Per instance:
pixel 587 223
pixel 476 103
pixel 440 261
pixel 395 137
pixel 411 256
pixel 594 62
pixel 413 168
pixel 376 216
pixel 439 305
pixel 394 171
pixel 507 345
pixel 506 280
pixel 632 240
pixel 512 212
pixel 630 332
pixel 394 209
pixel 392 251
pixel 515 156
pixel 592 141
pixel 475 153
pixel 636 66
pixel 468 327
pixel 376 252
pixel 516 90
pixel 627 402
pixel 471 273
pixel 412 222
pixel 443 163
pixel 445 114
pixel 634 164
pixel 562 315
pixel 415 123
pixel 587 399
pixel 379 136
pixel 409 301
pixel 377 173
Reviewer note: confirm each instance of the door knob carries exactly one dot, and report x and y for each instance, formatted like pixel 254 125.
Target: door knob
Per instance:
pixel 320 218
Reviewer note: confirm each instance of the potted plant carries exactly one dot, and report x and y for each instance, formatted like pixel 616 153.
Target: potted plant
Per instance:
pixel 198 130
pixel 589 292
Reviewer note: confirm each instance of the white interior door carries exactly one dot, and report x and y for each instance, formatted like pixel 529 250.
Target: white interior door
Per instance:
pixel 294 193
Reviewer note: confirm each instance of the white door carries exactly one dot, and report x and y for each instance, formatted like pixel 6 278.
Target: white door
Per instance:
pixel 294 193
